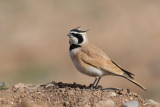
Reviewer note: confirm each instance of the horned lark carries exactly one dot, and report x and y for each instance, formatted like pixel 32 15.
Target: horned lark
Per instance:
pixel 92 61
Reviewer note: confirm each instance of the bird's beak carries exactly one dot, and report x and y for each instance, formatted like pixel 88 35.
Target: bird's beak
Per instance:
pixel 67 34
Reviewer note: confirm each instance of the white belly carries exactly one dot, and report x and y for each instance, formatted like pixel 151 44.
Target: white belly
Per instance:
pixel 90 71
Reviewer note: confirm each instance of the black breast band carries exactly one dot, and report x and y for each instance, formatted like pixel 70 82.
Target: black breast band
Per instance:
pixel 73 46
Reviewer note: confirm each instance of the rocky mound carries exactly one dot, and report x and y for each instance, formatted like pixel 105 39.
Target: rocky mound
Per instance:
pixel 69 95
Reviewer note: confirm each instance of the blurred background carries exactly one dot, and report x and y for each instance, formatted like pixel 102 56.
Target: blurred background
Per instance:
pixel 34 43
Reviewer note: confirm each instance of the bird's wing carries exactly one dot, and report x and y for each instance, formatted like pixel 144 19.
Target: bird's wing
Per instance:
pixel 97 58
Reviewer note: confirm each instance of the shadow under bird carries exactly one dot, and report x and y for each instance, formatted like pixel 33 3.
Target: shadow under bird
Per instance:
pixel 92 61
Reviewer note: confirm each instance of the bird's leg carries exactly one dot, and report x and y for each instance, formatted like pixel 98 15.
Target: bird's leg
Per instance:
pixel 97 82
pixel 94 83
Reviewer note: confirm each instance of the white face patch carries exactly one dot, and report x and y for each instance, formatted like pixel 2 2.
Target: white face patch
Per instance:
pixel 85 39
pixel 73 40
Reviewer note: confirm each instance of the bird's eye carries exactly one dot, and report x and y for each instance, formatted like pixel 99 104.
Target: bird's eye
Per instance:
pixel 75 35
pixel 78 36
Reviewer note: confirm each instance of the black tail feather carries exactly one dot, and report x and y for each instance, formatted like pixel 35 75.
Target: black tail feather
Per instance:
pixel 136 83
pixel 129 74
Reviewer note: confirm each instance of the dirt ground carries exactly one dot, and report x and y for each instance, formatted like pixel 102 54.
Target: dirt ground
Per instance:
pixel 64 94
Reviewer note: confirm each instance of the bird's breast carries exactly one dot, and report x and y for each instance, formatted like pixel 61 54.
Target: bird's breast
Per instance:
pixel 85 68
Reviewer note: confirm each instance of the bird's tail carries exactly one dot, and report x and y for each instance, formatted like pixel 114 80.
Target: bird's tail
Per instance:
pixel 135 82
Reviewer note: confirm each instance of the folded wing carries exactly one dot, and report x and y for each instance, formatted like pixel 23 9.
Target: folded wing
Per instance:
pixel 97 58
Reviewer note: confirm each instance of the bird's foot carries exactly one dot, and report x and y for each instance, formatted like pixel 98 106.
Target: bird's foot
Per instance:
pixel 94 87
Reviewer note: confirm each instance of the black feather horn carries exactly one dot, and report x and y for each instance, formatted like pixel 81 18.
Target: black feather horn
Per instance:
pixel 78 30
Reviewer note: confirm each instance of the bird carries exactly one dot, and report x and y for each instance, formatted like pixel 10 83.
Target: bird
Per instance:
pixel 92 61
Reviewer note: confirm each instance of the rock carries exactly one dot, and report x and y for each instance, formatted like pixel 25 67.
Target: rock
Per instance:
pixel 4 85
pixel 49 86
pixel 152 103
pixel 19 87
pixel 107 103
pixel 124 91
pixel 66 104
pixel 130 104
pixel 87 105
pixel 112 94
pixel 29 104
pixel 125 100
pixel 131 98
pixel 134 94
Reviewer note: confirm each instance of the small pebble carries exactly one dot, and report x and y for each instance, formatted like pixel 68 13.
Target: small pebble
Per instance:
pixel 124 91
pixel 130 104
pixel 19 87
pixel 112 94
pixel 131 98
pixel 66 103
pixel 152 102
pixel 4 85
pixel 49 86
pixel 107 103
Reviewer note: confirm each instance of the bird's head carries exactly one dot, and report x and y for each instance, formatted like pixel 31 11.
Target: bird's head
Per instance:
pixel 77 36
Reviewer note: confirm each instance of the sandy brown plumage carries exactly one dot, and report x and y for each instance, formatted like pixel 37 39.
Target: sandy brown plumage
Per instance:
pixel 92 61
pixel 94 56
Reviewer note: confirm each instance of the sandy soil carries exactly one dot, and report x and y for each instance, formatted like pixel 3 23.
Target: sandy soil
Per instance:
pixel 64 94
